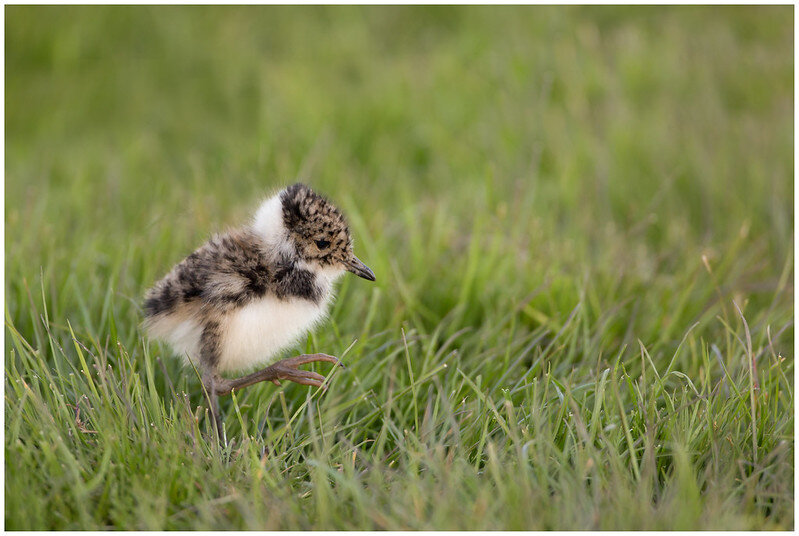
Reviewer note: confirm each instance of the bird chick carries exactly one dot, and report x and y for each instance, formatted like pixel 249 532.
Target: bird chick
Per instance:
pixel 245 295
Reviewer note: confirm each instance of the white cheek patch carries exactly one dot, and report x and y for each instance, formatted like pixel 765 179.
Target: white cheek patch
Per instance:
pixel 268 224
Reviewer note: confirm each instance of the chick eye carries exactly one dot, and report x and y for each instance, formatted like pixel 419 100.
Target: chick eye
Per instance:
pixel 322 244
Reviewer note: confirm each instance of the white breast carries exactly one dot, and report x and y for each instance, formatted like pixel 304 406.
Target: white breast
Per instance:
pixel 254 334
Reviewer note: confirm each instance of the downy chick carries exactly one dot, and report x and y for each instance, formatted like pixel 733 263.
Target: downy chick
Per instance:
pixel 245 295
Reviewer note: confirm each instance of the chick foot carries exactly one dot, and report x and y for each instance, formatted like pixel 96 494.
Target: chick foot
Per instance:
pixel 286 369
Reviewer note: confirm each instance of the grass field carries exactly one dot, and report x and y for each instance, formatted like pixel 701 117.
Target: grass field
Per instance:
pixel 581 221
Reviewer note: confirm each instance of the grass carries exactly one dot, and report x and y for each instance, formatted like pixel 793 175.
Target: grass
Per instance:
pixel 581 221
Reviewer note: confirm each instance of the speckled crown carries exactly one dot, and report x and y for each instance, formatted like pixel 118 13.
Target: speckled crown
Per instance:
pixel 305 211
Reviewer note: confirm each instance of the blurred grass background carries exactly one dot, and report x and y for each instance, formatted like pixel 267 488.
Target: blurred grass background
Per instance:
pixel 563 207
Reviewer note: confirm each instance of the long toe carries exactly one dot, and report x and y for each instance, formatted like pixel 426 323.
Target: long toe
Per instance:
pixel 305 377
pixel 310 358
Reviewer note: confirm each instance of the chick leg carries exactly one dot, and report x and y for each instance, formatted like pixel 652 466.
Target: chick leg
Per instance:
pixel 210 384
pixel 287 369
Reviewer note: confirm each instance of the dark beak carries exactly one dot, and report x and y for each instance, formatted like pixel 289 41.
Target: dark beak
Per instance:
pixel 360 269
